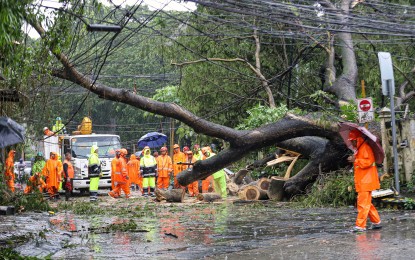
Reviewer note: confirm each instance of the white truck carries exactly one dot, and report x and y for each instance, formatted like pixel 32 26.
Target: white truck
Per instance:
pixel 79 146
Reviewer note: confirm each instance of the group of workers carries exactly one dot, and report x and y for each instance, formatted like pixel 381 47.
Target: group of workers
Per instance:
pixel 155 171
pixel 46 175
pixel 146 173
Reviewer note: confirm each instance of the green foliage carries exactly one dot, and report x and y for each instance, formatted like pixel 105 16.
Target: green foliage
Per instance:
pixel 260 115
pixel 20 201
pixel 82 208
pixel 349 112
pixel 123 226
pixel 33 201
pixel 409 203
pixel 166 94
pixel 333 189
pixel 10 254
pixel 11 17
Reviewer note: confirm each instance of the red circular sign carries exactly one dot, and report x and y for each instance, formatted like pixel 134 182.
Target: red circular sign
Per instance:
pixel 365 105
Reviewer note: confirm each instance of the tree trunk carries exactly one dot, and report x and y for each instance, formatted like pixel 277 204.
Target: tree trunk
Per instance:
pixel 276 188
pixel 174 195
pixel 344 86
pixel 209 197
pixel 321 154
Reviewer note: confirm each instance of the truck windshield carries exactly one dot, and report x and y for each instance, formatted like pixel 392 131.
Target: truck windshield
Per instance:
pixel 81 146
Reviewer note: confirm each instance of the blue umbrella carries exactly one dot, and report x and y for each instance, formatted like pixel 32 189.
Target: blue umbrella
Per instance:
pixel 153 139
pixel 10 132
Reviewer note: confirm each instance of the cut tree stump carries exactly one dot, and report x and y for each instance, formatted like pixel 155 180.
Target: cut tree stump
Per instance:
pixel 252 192
pixel 263 183
pixel 174 195
pixel 233 188
pixel 276 188
pixel 209 197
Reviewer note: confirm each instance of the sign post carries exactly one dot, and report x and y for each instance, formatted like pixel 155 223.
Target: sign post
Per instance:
pixel 388 89
pixel 365 110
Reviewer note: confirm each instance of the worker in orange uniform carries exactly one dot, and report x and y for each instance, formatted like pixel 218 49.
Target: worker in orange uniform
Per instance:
pixel 206 183
pixel 113 167
pixel 68 175
pixel 165 169
pixel 193 187
pixel 121 180
pixel 9 173
pixel 123 155
pixel 140 176
pixel 366 180
pixel 178 158
pixel 53 174
pixel 133 168
pixel 35 182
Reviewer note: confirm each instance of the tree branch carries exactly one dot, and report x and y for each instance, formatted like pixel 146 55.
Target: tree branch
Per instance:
pixel 258 72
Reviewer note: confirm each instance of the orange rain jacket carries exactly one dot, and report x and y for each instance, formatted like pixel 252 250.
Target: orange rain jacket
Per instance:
pixel 133 168
pixel 178 157
pixel 9 173
pixel 164 165
pixel 114 163
pixel 121 173
pixel 53 172
pixel 365 171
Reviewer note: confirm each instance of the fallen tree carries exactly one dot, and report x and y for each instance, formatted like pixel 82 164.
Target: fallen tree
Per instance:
pixel 321 153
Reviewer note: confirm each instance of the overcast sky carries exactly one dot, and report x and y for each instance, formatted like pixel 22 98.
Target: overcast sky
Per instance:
pixel 152 4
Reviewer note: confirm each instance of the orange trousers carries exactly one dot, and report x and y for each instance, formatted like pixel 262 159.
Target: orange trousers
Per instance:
pixel 117 190
pixel 193 188
pixel 366 209
pixel 140 183
pixel 163 182
pixel 205 184
pixel 10 184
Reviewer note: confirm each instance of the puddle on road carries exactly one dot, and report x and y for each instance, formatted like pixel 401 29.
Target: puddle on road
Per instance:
pixel 186 231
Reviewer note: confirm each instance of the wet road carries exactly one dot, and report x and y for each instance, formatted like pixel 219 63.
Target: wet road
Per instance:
pixel 142 228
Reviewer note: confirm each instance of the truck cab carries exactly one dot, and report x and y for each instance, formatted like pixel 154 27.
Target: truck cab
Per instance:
pixel 79 147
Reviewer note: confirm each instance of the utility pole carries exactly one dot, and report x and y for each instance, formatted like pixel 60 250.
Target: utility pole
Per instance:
pixel 388 89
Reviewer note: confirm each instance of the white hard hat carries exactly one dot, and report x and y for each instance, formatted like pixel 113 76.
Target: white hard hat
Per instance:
pixel 45 128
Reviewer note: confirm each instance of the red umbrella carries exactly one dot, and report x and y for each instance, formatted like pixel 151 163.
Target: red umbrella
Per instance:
pixel 370 138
